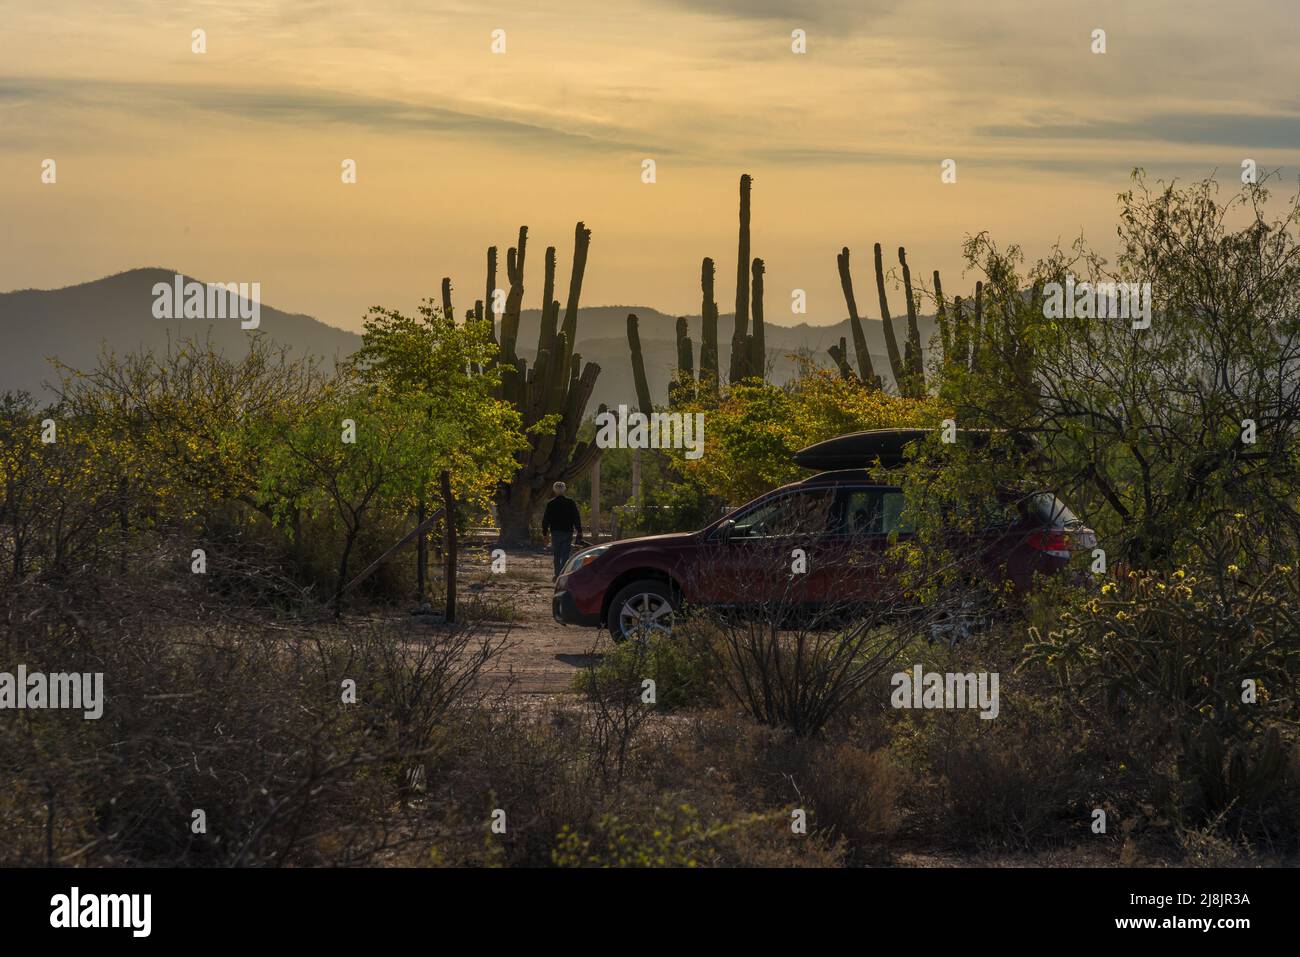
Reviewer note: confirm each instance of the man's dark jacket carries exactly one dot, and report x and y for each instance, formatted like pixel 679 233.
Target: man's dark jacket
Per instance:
pixel 562 515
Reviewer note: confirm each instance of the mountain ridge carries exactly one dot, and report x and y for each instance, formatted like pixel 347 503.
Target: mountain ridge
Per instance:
pixel 73 323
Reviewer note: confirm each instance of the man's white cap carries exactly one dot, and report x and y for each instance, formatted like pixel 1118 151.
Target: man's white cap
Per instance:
pixel 558 488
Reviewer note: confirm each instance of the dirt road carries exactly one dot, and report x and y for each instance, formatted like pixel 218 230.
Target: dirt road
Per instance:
pixel 544 655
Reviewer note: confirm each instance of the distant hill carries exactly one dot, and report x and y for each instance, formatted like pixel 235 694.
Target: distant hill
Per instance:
pixel 74 323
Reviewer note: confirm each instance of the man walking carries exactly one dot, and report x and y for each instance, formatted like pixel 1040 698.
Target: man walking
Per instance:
pixel 562 522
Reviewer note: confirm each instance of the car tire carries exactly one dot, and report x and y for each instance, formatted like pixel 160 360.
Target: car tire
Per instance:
pixel 641 609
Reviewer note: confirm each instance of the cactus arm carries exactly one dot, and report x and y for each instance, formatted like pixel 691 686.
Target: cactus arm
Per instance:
pixel 708 328
pixel 758 351
pixel 913 330
pixel 866 372
pixel 891 343
pixel 638 366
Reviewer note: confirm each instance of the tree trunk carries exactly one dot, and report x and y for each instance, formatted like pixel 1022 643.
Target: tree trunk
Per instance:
pixel 515 516
pixel 421 551
pixel 343 570
pixel 449 522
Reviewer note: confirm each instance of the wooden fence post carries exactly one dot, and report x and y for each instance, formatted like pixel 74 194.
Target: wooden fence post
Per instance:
pixel 595 501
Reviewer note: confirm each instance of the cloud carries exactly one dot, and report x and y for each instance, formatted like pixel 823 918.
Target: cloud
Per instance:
pixel 846 15
pixel 1259 131
pixel 312 108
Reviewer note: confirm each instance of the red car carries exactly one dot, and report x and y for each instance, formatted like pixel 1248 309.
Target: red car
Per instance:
pixel 842 521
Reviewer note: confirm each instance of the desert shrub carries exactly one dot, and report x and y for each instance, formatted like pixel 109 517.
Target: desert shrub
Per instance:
pixel 529 762
pixel 209 711
pixel 1023 780
pixel 671 837
pixel 678 504
pixel 1202 665
pixel 802 659
pixel 249 456
pixel 678 803
pixel 1155 432
pixel 680 666
pixel 1009 784
pixel 856 798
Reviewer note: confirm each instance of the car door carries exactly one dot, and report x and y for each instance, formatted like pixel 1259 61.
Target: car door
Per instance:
pixel 866 520
pixel 757 564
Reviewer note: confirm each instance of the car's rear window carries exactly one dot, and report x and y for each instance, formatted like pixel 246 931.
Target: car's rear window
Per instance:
pixel 1047 508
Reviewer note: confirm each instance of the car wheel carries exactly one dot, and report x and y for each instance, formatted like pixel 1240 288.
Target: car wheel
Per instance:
pixel 642 609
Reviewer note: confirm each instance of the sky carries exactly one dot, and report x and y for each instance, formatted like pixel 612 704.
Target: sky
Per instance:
pixel 226 165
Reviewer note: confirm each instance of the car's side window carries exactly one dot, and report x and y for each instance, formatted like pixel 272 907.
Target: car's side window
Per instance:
pixel 893 504
pixel 797 513
pixel 871 511
pixel 859 512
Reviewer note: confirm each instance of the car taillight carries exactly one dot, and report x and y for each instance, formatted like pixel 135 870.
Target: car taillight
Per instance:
pixel 1054 541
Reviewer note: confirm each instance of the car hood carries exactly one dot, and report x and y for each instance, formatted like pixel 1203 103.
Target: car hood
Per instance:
pixel 672 538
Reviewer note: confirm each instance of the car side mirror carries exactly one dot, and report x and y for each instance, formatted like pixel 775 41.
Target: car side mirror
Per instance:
pixel 725 530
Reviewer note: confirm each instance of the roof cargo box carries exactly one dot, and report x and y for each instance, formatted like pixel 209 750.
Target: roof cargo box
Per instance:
pixel 861 449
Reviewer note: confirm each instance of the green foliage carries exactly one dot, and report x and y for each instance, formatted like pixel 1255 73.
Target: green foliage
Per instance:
pixel 1157 435
pixel 676 837
pixel 1171 654
pixel 684 504
pixel 191 425
pixel 682 672
pixel 445 372
pixel 954 492
pixel 752 433
pixel 191 440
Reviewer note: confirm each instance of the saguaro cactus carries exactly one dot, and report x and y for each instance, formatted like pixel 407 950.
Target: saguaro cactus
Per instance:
pixel 748 351
pixel 708 329
pixel 490 299
pixel 682 388
pixel 558 384
pixel 513 369
pixel 907 368
pixel 739 353
pixel 941 316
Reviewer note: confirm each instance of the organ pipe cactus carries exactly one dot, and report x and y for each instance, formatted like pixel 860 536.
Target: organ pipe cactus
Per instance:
pixel 961 332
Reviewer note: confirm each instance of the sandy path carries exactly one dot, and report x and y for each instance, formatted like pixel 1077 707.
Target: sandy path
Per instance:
pixel 544 655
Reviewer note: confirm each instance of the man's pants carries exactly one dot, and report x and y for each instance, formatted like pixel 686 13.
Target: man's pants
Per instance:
pixel 561 545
